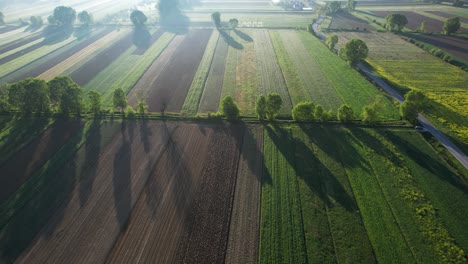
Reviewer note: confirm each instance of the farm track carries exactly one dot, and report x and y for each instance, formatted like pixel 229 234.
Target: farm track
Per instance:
pixel 211 96
pixel 245 219
pixel 170 88
pixel 87 71
pixel 205 239
pixel 86 226
pixel 161 212
pixel 83 54
pixel 37 69
pixel 32 156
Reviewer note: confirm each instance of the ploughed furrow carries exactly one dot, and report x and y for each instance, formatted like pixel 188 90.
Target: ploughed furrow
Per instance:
pixel 160 215
pixel 84 229
pixel 207 228
pixel 87 71
pixel 245 219
pixel 169 90
pixel 42 67
pixel 17 170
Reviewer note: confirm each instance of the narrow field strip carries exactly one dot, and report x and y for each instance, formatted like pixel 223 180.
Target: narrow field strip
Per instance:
pixel 241 75
pixel 332 208
pixel 211 96
pixel 270 76
pixel 126 70
pixel 381 226
pixel 32 56
pixel 84 54
pixel 352 87
pixel 198 84
pixel 281 230
pixel 11 36
pixel 3 56
pixel 245 219
pixel 317 84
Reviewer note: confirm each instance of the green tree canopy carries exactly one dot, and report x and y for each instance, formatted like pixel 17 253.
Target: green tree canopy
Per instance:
pixel 57 87
pixel 142 107
pixel 396 21
pixel 451 25
pixel 64 16
pixel 94 102
pixel 36 21
pixel 273 103
pixel 413 104
pixel 303 111
pixel 120 101
pixel 333 7
pixel 85 18
pixel 138 18
pixel 72 100
pixel 331 42
pixel 319 113
pixel 260 107
pixel 354 51
pixel 233 22
pixel 216 17
pixel 345 113
pixel 229 108
pixel 4 104
pixel 29 95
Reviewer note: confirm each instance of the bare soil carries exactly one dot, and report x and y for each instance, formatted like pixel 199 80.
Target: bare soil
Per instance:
pixel 20 167
pixel 346 21
pixel 169 89
pixel 245 220
pixel 452 44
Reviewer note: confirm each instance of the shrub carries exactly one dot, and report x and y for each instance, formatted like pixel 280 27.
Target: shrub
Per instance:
pixel 303 111
pixel 130 112
pixel 229 108
pixel 345 113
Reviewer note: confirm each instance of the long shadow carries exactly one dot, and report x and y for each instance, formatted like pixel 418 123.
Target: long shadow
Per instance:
pixel 145 135
pixel 251 153
pixel 122 177
pixel 176 22
pixel 230 40
pixel 426 161
pixel 243 35
pixel 141 38
pixel 5 121
pixel 92 150
pixel 82 32
pixel 432 39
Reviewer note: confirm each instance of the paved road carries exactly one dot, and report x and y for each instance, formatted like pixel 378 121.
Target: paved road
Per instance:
pixel 456 152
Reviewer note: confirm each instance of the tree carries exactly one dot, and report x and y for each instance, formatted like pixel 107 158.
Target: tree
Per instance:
pixel 354 51
pixel 331 42
pixel 167 8
pixel 303 111
pixel 233 22
pixel 345 113
pixel 351 4
pixel 216 17
pixel 120 101
pixel 36 21
pixel 458 3
pixel 71 100
pixel 229 108
pixel 138 18
pixel 396 22
pixel 51 20
pixel 422 27
pixel 15 96
pixel 451 25
pixel 142 107
pixel 2 17
pixel 94 101
pixel 370 113
pixel 273 103
pixel 416 97
pixel 413 104
pixel 29 95
pixel 64 16
pixel 319 113
pixel 4 105
pixel 333 7
pixel 260 107
pixel 85 18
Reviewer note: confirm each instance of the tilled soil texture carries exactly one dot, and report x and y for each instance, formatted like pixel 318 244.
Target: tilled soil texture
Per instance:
pixel 207 225
pixel 108 184
pixel 88 71
pixel 346 21
pixel 23 41
pixel 415 20
pixel 169 90
pixel 452 44
pixel 161 213
pixel 17 170
pixel 448 15
pixel 245 220
pixel 209 101
pixel 61 57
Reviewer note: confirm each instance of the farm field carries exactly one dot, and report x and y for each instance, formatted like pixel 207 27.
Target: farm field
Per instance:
pixel 400 63
pixel 162 191
pixel 454 45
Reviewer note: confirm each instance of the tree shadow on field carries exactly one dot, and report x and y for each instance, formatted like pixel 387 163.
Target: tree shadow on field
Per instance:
pixel 307 166
pixel 122 176
pixel 426 161
pixel 145 134
pixel 243 35
pixel 230 40
pixel 82 32
pixel 54 34
pixel 92 150
pixel 176 22
pixel 141 38
pixel 251 148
